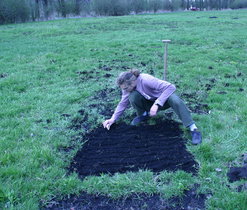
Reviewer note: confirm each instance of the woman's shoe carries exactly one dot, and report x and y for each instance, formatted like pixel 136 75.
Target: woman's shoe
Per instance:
pixel 137 120
pixel 196 137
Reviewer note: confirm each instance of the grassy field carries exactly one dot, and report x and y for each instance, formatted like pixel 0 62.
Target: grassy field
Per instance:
pixel 43 86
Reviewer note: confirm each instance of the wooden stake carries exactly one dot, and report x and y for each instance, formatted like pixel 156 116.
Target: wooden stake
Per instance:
pixel 165 57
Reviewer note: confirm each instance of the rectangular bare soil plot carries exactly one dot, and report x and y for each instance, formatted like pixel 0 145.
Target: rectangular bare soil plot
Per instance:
pixel 125 148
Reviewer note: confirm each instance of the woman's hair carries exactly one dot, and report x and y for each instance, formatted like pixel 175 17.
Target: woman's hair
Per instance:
pixel 127 77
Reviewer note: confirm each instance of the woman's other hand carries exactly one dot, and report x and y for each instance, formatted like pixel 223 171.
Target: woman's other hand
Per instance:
pixel 153 110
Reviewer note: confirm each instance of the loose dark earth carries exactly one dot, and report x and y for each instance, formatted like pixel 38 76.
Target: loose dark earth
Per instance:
pixel 131 148
pixel 237 173
pixel 85 201
pixel 125 148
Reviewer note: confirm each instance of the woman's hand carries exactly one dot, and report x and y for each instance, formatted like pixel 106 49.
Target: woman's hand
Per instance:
pixel 153 110
pixel 107 124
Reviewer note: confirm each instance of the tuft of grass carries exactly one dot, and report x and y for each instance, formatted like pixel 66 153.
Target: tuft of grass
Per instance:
pixel 53 73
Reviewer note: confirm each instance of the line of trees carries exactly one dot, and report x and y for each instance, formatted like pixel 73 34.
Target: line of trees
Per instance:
pixel 13 11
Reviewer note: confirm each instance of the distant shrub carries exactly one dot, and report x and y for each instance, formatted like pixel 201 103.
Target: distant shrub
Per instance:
pixel 101 7
pixel 41 9
pixel 111 7
pixel 154 5
pixel 62 8
pixel 176 5
pixel 77 7
pixel 34 10
pixel 72 7
pixel 138 6
pixel 237 4
pixel 13 11
pixel 166 5
pixel 84 6
pixel 66 7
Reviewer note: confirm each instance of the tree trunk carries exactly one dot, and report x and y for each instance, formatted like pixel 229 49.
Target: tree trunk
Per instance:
pixel 201 5
pixel 45 6
pixel 77 7
pixel 37 10
pixel 62 7
pixel 188 4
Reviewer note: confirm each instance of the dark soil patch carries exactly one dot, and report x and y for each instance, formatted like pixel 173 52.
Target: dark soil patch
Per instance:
pixel 237 173
pixel 99 102
pixel 105 110
pixel 106 94
pixel 86 75
pixel 143 64
pixel 221 92
pixel 107 75
pixel 190 200
pixel 234 76
pixel 240 89
pixel 125 148
pixel 194 103
pixel 239 74
pixel 3 75
pixel 211 84
pixel 242 188
pixel 226 84
pixel 105 67
pixel 65 115
pixel 229 76
pixel 80 122
pixel 200 108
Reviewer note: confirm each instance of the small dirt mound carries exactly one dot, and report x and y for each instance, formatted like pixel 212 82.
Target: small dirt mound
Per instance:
pixel 237 173
pixel 130 148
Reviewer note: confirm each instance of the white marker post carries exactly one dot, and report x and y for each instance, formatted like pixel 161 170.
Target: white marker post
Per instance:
pixel 165 57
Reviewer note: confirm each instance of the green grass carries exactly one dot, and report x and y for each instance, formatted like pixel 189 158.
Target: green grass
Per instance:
pixel 39 64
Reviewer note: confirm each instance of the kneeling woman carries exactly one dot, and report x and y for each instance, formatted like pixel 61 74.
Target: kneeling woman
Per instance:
pixel 147 95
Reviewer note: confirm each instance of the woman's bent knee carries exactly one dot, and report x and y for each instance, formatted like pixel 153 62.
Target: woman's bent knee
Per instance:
pixel 175 100
pixel 134 97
